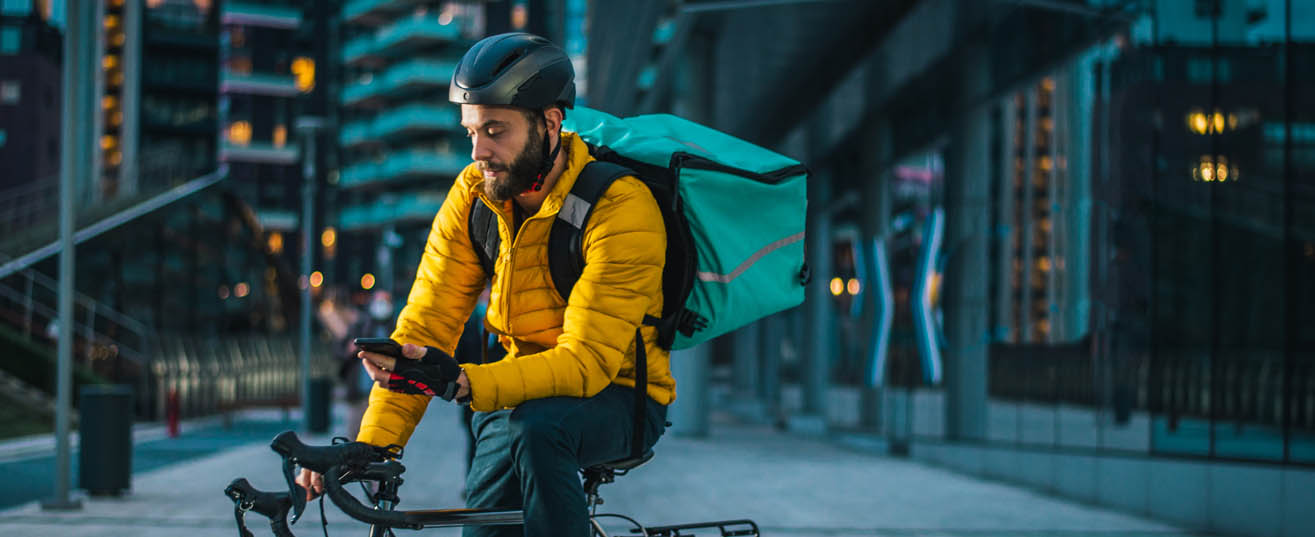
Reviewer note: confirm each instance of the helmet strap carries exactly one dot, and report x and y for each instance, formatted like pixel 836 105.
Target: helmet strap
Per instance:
pixel 547 164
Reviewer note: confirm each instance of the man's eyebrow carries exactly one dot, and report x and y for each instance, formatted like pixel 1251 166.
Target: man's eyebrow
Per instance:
pixel 486 124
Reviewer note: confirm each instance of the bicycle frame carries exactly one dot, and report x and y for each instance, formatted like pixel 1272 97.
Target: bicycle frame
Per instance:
pixel 358 462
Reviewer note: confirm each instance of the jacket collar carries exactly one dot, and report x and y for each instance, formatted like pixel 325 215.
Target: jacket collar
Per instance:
pixel 577 156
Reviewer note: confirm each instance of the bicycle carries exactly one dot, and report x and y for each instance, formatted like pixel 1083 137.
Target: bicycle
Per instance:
pixel 380 473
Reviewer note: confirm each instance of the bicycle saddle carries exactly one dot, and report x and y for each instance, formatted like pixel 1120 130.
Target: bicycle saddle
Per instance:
pixel 625 464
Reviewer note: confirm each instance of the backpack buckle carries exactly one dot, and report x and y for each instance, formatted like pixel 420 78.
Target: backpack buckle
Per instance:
pixel 688 322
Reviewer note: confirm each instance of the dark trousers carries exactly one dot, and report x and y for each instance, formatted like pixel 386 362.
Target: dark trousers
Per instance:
pixel 530 458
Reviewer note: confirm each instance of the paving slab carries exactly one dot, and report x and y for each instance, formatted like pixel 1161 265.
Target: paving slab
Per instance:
pixel 790 485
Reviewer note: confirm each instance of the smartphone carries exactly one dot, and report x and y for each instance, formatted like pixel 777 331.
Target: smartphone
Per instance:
pixel 379 345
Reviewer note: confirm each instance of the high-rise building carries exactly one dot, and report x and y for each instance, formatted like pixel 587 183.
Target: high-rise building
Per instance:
pixel 400 140
pixel 30 50
pixel 176 106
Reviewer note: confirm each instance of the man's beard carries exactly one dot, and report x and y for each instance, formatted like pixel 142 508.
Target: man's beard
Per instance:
pixel 522 173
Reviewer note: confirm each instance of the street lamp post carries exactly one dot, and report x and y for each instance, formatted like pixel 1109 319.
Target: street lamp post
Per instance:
pixel 79 52
pixel 309 127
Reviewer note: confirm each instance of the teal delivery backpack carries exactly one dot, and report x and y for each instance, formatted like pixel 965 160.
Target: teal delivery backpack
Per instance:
pixel 735 219
pixel 734 214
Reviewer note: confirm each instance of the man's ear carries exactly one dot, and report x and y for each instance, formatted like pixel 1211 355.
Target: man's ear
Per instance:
pixel 553 117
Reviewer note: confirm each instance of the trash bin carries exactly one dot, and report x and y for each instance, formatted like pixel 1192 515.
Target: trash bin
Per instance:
pixel 321 398
pixel 105 431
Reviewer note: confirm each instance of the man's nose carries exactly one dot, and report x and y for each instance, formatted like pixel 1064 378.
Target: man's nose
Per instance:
pixel 480 149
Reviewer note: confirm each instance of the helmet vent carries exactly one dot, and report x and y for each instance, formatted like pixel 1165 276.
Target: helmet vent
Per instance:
pixel 506 62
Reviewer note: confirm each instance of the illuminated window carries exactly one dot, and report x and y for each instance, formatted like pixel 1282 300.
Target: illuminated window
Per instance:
pixel 10 40
pixel 280 136
pixel 110 61
pixel 240 65
pixel 329 237
pixel 303 69
pixel 114 158
pixel 111 22
pixel 117 39
pixel 1214 170
pixel 108 141
pixel 10 92
pixel 239 133
pixel 109 102
pixel 520 17
pixel 116 119
pixel 275 242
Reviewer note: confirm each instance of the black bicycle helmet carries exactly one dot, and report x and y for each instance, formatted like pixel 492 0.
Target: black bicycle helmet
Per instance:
pixel 515 69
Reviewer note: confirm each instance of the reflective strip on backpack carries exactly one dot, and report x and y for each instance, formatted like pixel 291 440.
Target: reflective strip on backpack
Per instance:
pixel 574 210
pixel 726 278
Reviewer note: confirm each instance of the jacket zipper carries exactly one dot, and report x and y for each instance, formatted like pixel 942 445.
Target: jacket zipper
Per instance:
pixel 511 258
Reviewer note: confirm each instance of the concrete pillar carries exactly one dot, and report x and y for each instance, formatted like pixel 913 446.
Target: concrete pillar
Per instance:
pixel 1005 227
pixel 820 317
pixel 967 200
pixel 95 177
pixel 692 99
pixel 771 333
pixel 1077 213
pixel 874 219
pixel 130 98
pixel 745 372
pixel 1025 221
pixel 689 414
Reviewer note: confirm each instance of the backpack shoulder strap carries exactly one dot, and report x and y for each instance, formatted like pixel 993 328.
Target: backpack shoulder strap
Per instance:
pixel 482 225
pixel 565 241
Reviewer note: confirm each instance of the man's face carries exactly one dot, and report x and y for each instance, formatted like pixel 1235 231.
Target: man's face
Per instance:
pixel 506 146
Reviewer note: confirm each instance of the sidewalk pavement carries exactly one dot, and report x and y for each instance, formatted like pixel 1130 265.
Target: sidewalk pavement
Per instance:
pixel 789 485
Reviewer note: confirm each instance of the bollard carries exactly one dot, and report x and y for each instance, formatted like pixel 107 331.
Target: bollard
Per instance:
pixel 171 411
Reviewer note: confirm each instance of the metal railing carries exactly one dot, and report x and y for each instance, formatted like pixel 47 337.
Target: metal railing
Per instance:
pixel 24 206
pixel 213 374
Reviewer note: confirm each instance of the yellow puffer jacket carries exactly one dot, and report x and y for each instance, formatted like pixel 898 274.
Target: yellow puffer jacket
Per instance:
pixel 554 348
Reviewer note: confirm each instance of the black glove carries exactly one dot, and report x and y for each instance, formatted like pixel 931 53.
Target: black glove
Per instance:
pixel 434 375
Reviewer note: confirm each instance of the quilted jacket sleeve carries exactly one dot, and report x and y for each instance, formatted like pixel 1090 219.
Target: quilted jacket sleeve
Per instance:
pixel 625 248
pixel 448 282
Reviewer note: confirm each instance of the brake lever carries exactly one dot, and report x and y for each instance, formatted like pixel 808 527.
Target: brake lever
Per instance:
pixel 295 491
pixel 273 505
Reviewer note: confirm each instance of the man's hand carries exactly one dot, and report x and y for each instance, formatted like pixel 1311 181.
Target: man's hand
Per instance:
pixel 313 482
pixel 426 371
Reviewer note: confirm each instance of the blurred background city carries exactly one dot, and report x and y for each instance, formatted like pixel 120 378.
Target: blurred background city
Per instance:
pixel 1062 244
